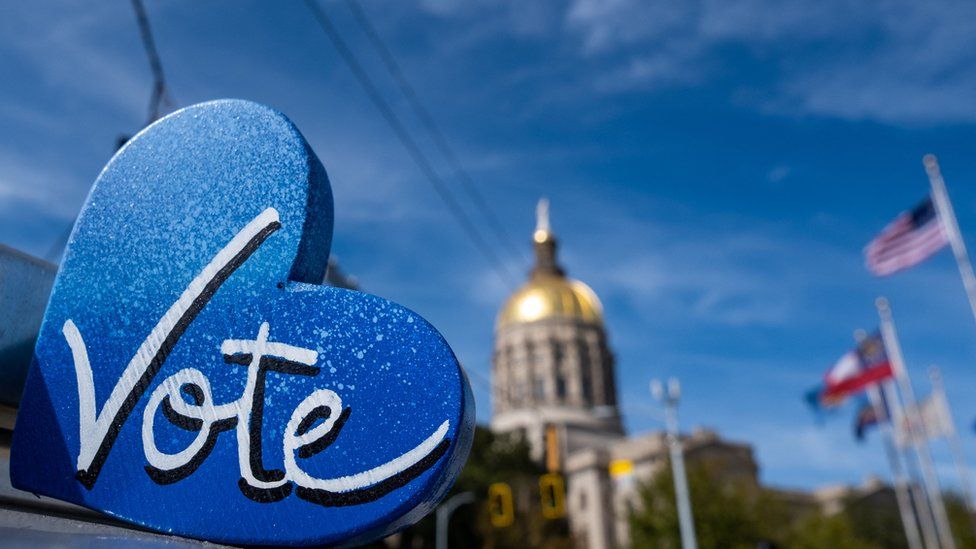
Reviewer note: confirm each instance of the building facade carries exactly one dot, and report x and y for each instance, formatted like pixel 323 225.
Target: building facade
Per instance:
pixel 552 364
pixel 554 384
pixel 602 482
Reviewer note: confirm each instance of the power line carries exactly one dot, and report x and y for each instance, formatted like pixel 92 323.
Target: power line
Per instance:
pixel 159 90
pixel 480 379
pixel 423 114
pixel 386 111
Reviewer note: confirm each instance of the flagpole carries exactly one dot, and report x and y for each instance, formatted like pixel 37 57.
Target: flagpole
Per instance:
pixel 909 517
pixel 908 520
pixel 955 445
pixel 919 440
pixel 922 508
pixel 947 215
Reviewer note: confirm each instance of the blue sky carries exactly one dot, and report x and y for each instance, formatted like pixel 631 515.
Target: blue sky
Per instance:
pixel 714 167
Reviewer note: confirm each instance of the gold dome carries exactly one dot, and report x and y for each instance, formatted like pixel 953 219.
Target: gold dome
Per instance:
pixel 551 296
pixel 549 293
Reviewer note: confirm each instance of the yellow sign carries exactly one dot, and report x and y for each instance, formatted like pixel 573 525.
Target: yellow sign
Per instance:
pixel 552 449
pixel 553 494
pixel 621 468
pixel 500 507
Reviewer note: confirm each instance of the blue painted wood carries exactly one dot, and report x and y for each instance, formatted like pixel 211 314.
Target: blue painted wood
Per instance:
pixel 228 398
pixel 25 285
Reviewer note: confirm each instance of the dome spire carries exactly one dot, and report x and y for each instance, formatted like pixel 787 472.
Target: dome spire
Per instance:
pixel 542 220
pixel 545 243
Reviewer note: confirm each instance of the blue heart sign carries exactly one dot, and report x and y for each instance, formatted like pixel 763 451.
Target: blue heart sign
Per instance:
pixel 192 376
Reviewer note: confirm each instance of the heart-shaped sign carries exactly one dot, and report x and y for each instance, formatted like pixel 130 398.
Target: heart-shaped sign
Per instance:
pixel 191 376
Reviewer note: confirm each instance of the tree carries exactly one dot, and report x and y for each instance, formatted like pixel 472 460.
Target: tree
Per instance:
pixel 725 514
pixel 876 519
pixel 819 531
pixel 961 522
pixel 728 514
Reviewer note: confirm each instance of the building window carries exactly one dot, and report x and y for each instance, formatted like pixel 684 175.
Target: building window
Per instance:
pixel 586 376
pixel 559 368
pixel 519 394
pixel 560 385
pixel 610 392
pixel 518 359
pixel 530 353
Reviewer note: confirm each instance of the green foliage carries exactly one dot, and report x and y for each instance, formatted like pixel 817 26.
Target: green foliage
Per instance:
pixel 724 514
pixel 817 531
pixel 876 519
pixel 961 521
pixel 730 515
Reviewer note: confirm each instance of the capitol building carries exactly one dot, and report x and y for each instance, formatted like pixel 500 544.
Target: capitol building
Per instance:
pixel 554 384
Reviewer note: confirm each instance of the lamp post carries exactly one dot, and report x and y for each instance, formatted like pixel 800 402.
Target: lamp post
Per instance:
pixel 444 512
pixel 669 399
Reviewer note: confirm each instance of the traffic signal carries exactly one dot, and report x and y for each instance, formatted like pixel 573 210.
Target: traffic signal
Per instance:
pixel 553 494
pixel 500 507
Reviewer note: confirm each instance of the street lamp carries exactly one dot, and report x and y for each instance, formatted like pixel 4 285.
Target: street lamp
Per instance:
pixel 444 512
pixel 669 399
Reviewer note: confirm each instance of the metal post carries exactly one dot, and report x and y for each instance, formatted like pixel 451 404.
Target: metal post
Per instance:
pixel 444 512
pixel 670 401
pixel 901 485
pixel 916 429
pixel 883 417
pixel 923 511
pixel 955 445
pixel 940 197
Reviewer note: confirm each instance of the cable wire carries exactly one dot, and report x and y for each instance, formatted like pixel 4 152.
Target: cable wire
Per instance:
pixel 427 120
pixel 400 131
pixel 159 90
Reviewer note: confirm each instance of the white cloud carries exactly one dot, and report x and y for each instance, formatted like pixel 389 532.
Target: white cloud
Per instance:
pixel 23 182
pixel 606 25
pixel 819 451
pixel 778 173
pixel 737 277
pixel 900 62
pixel 82 50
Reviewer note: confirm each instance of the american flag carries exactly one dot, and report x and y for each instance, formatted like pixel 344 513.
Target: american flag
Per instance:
pixel 910 239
